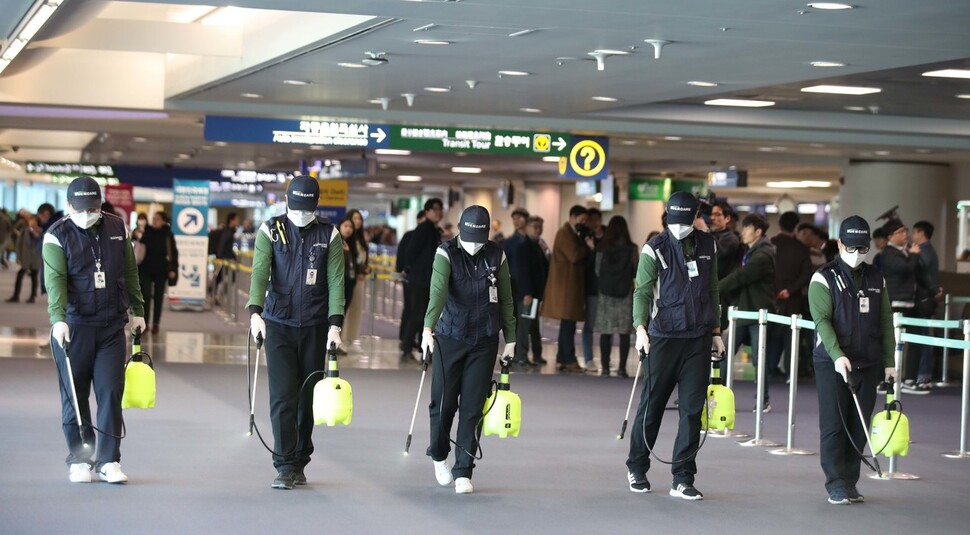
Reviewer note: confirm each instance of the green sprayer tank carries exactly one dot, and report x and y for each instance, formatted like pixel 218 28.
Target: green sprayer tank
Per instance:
pixel 503 410
pixel 719 403
pixel 890 428
pixel 333 401
pixel 139 390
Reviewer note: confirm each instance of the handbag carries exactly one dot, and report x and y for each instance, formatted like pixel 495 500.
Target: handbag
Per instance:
pixel 173 277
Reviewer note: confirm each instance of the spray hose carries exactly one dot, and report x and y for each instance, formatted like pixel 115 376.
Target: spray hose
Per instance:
pixel 67 393
pixel 898 405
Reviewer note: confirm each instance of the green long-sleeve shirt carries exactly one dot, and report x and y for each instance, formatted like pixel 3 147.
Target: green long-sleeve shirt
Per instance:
pixel 441 275
pixel 646 282
pixel 55 277
pixel 820 303
pixel 263 263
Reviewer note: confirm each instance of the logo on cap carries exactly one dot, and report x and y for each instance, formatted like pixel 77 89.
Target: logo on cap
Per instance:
pixel 302 194
pixel 855 231
pixel 680 208
pixel 473 225
pixel 85 193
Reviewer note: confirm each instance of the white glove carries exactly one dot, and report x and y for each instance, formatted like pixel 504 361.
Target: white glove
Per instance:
pixel 333 337
pixel 890 375
pixel 843 366
pixel 138 325
pixel 643 341
pixel 718 345
pixel 257 327
pixel 427 343
pixel 508 353
pixel 61 333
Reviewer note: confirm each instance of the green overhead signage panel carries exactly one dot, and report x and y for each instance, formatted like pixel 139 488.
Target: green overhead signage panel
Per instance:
pixel 480 140
pixel 649 189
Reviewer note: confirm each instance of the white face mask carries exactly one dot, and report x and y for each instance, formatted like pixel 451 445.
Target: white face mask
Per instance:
pixel 85 220
pixel 853 259
pixel 680 231
pixel 300 218
pixel 471 248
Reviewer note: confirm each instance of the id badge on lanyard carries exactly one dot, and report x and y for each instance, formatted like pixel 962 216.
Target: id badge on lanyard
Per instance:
pixel 692 269
pixel 99 280
pixel 492 288
pixel 864 305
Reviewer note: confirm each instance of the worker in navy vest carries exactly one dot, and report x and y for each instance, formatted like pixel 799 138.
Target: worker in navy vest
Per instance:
pixel 471 299
pixel 677 282
pixel 854 345
pixel 92 281
pixel 297 291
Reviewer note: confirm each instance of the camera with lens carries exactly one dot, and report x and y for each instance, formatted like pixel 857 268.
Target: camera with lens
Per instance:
pixel 583 231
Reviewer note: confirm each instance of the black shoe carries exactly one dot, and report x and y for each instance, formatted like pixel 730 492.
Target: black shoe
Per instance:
pixel 285 480
pixel 31 300
pixel 622 374
pixel 532 364
pixel 299 478
pixel 854 496
pixel 686 492
pixel 604 373
pixel 520 362
pixel 13 300
pixel 638 482
pixel 541 361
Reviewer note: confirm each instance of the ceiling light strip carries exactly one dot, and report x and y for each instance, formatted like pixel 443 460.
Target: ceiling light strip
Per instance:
pixel 38 15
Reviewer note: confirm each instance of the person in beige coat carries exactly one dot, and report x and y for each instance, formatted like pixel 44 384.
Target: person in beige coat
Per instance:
pixel 565 289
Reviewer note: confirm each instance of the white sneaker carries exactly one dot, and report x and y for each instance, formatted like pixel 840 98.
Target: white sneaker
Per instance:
pixel 442 472
pixel 463 485
pixel 111 472
pixel 80 473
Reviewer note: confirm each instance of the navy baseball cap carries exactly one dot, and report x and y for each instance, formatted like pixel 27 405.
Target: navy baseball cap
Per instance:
pixel 303 194
pixel 681 209
pixel 84 193
pixel 473 225
pixel 854 232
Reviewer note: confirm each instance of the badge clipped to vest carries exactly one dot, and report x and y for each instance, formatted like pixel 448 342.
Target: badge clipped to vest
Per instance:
pixel 99 280
pixel 492 288
pixel 863 305
pixel 692 269
pixel 311 276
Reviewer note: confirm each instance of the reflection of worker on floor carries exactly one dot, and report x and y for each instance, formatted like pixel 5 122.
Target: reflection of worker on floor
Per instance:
pixel 677 279
pixel 300 258
pixel 92 280
pixel 854 325
pixel 472 293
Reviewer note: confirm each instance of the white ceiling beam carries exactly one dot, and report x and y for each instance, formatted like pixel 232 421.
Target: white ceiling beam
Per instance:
pixel 148 36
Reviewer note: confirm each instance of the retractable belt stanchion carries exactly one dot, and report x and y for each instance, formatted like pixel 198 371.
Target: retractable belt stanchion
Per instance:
pixel 373 302
pixel 893 461
pixel 790 448
pixel 760 398
pixel 946 350
pixel 965 398
pixel 729 373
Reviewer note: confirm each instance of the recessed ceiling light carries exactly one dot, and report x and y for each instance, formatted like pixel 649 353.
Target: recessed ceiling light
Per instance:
pixel 220 143
pixel 739 102
pixel 139 139
pixel 628 142
pixel 964 96
pixel 766 149
pixel 409 178
pixel 438 89
pixel 855 108
pixel 826 64
pixel 790 184
pixel 316 147
pixel 250 95
pixel 375 184
pixel 841 90
pixel 553 159
pixel 352 65
pixel 673 138
pixel 882 153
pixel 392 152
pixel 513 73
pixel 924 151
pixel 469 170
pixel 829 5
pixel 949 73
pixel 206 147
pixel 611 51
pixel 520 33
pixel 606 99
pixel 531 110
pixel 701 83
pixel 431 42
pixel 296 82
pixel 184 156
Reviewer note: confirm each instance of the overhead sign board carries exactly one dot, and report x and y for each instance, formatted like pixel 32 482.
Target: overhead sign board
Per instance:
pixel 650 189
pixel 297 132
pixel 479 140
pixel 586 159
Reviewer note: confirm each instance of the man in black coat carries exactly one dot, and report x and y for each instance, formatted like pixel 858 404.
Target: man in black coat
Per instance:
pixel 793 271
pixel 419 261
pixel 528 282
pixel 400 266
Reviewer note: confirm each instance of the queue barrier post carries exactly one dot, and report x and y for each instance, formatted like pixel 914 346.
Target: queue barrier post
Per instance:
pixel 760 398
pixel 898 331
pixel 964 398
pixel 790 448
pixel 946 350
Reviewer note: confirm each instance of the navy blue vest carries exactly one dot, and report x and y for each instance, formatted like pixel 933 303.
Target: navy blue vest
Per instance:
pixel 468 315
pixel 859 335
pixel 87 305
pixel 289 299
pixel 682 304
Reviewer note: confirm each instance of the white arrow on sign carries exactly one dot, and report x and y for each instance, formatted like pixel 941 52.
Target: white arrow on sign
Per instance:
pixel 560 144
pixel 380 135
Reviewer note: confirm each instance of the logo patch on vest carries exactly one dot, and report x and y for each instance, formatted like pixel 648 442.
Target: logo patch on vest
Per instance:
pixel 117 237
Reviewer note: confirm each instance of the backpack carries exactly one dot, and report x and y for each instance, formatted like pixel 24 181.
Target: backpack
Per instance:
pixel 617 271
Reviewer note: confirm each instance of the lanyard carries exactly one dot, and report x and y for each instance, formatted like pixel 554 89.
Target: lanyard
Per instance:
pixel 96 241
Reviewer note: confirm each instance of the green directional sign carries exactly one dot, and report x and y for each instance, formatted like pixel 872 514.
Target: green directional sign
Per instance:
pixel 480 140
pixel 649 189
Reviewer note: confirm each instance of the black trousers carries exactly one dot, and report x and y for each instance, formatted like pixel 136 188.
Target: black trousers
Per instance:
pixel 97 357
pixel 292 354
pixel 420 295
pixel 606 345
pixel 18 285
pixel 680 362
pixel 837 412
pixel 526 332
pixel 460 381
pixel 349 284
pixel 566 354
pixel 405 314
pixel 153 290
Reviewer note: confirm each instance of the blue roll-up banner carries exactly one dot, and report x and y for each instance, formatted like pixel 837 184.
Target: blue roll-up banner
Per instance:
pixel 190 211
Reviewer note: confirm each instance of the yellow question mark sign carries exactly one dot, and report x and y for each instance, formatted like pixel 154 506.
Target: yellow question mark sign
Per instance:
pixel 589 150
